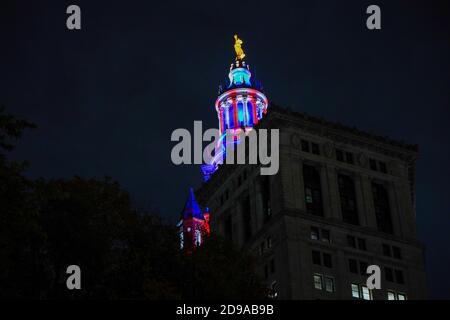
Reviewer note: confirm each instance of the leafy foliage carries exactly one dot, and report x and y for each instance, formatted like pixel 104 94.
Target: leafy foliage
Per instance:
pixel 47 225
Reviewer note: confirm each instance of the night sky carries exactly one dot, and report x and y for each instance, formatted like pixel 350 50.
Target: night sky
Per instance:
pixel 107 98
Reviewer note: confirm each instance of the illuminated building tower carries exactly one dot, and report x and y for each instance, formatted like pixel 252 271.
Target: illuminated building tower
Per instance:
pixel 239 107
pixel 194 224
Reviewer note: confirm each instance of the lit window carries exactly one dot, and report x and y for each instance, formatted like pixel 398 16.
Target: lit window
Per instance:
pixel 391 295
pixel 318 281
pixel 329 284
pixel 366 293
pixel 401 296
pixel 314 233
pixel 355 291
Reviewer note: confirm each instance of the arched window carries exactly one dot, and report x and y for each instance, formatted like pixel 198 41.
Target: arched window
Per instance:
pixel 249 114
pixel 240 107
pixel 313 190
pixel 382 208
pixel 348 199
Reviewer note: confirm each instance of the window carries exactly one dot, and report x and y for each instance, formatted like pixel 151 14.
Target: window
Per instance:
pixel 355 291
pixel 391 295
pixel 305 146
pixel 366 293
pixel 401 296
pixel 373 164
pixel 329 284
pixel 261 248
pixel 361 292
pixel 327 261
pixel 389 274
pixel 316 258
pixel 349 157
pixel 313 191
pixel 326 235
pixel 382 166
pixel 351 242
pixel 363 267
pixel 314 233
pixel 266 272
pixel 382 210
pixel 272 266
pixel 348 199
pixel 396 252
pixel 362 244
pixel 399 277
pixel 318 281
pixel 352 265
pixel 339 155
pixel 315 148
pixel 386 250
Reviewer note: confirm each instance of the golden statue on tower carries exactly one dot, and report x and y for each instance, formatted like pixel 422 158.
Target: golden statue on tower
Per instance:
pixel 238 48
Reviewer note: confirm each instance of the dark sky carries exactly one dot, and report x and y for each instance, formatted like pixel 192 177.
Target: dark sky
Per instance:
pixel 107 98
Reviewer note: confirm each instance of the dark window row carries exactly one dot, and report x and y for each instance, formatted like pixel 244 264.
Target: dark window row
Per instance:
pixel 394 275
pixel 377 165
pixel 357 243
pixel 344 156
pixel 357 267
pixel 347 192
pixel 320 234
pixel 322 258
pixel 311 147
pixel 391 251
